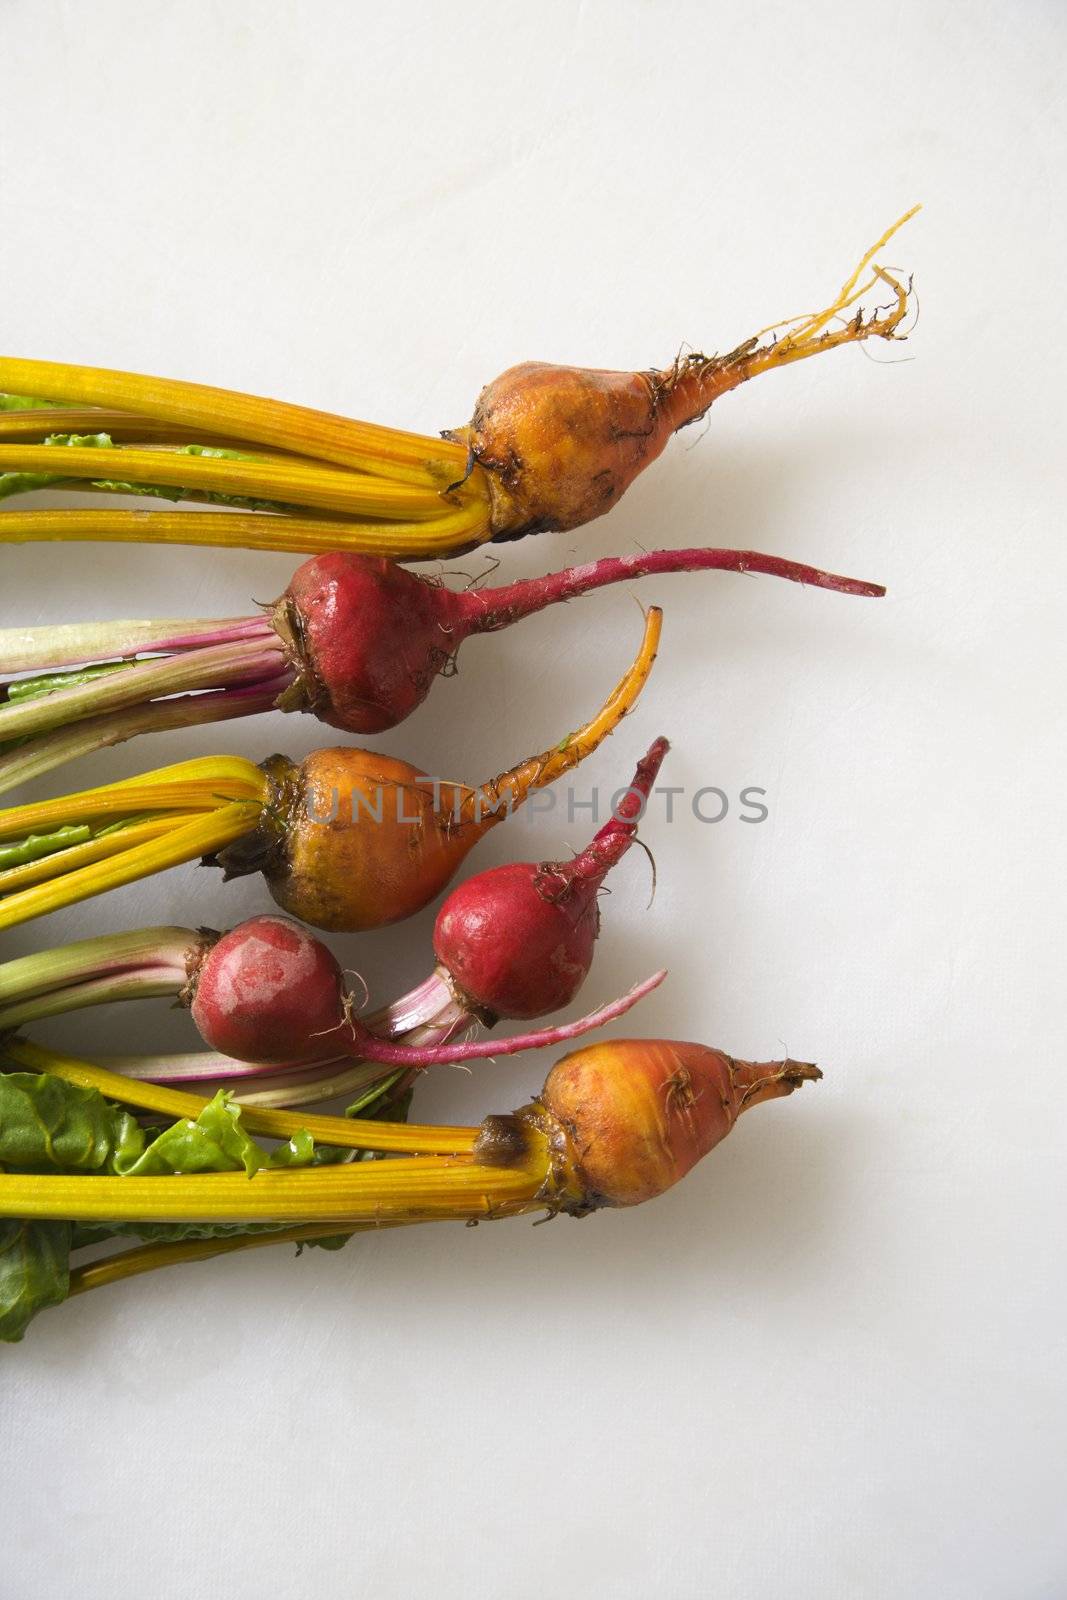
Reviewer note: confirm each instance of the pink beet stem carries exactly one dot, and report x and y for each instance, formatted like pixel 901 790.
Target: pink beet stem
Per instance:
pixel 220 633
pixel 43 752
pixel 370 1048
pixel 205 1066
pixel 142 983
pixel 246 662
pixel 617 834
pixel 487 609
pixel 75 644
pixel 430 1002
pixel 264 693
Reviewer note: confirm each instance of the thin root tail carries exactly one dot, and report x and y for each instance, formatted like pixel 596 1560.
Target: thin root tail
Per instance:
pixel 689 387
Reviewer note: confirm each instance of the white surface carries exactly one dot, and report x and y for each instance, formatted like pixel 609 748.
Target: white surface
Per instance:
pixel 831 1363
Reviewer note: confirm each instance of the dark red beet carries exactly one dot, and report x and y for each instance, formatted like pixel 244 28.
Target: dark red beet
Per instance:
pixel 518 940
pixel 367 638
pixel 268 991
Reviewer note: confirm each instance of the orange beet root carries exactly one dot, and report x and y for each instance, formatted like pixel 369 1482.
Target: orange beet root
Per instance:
pixel 638 1114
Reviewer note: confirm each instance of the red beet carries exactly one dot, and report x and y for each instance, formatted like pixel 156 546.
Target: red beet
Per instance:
pixel 268 991
pixel 367 638
pixel 518 940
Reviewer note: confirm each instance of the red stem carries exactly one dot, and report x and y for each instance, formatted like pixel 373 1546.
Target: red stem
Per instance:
pixel 485 610
pixel 608 846
pixel 223 633
pixel 369 1047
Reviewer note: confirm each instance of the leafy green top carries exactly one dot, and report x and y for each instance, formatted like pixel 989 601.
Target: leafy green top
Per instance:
pixel 49 1125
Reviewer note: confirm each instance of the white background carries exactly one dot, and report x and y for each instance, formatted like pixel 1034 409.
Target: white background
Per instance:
pixel 832 1362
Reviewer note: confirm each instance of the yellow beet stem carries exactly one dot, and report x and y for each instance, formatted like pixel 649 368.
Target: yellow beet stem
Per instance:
pixel 412 1188
pixel 98 806
pixel 183 841
pixel 148 1257
pixel 283 482
pixel 80 855
pixel 365 446
pixel 202 785
pixel 446 535
pixel 121 426
pixel 229 792
pixel 484 804
pixel 212 777
pixel 372 1191
pixel 343 1132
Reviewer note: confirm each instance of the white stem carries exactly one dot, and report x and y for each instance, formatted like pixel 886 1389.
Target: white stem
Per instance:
pixel 67 644
pixel 214 667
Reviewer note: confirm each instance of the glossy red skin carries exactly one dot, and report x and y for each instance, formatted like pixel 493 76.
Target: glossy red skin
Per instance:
pixel 265 990
pixel 371 636
pixel 517 939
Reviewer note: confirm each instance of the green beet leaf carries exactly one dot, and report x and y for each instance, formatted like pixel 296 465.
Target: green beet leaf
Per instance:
pixel 46 1123
pixel 34 1272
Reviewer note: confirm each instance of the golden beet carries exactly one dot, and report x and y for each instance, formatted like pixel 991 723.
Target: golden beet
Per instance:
pixel 638 1114
pixel 548 447
pixel 369 840
pixel 561 444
